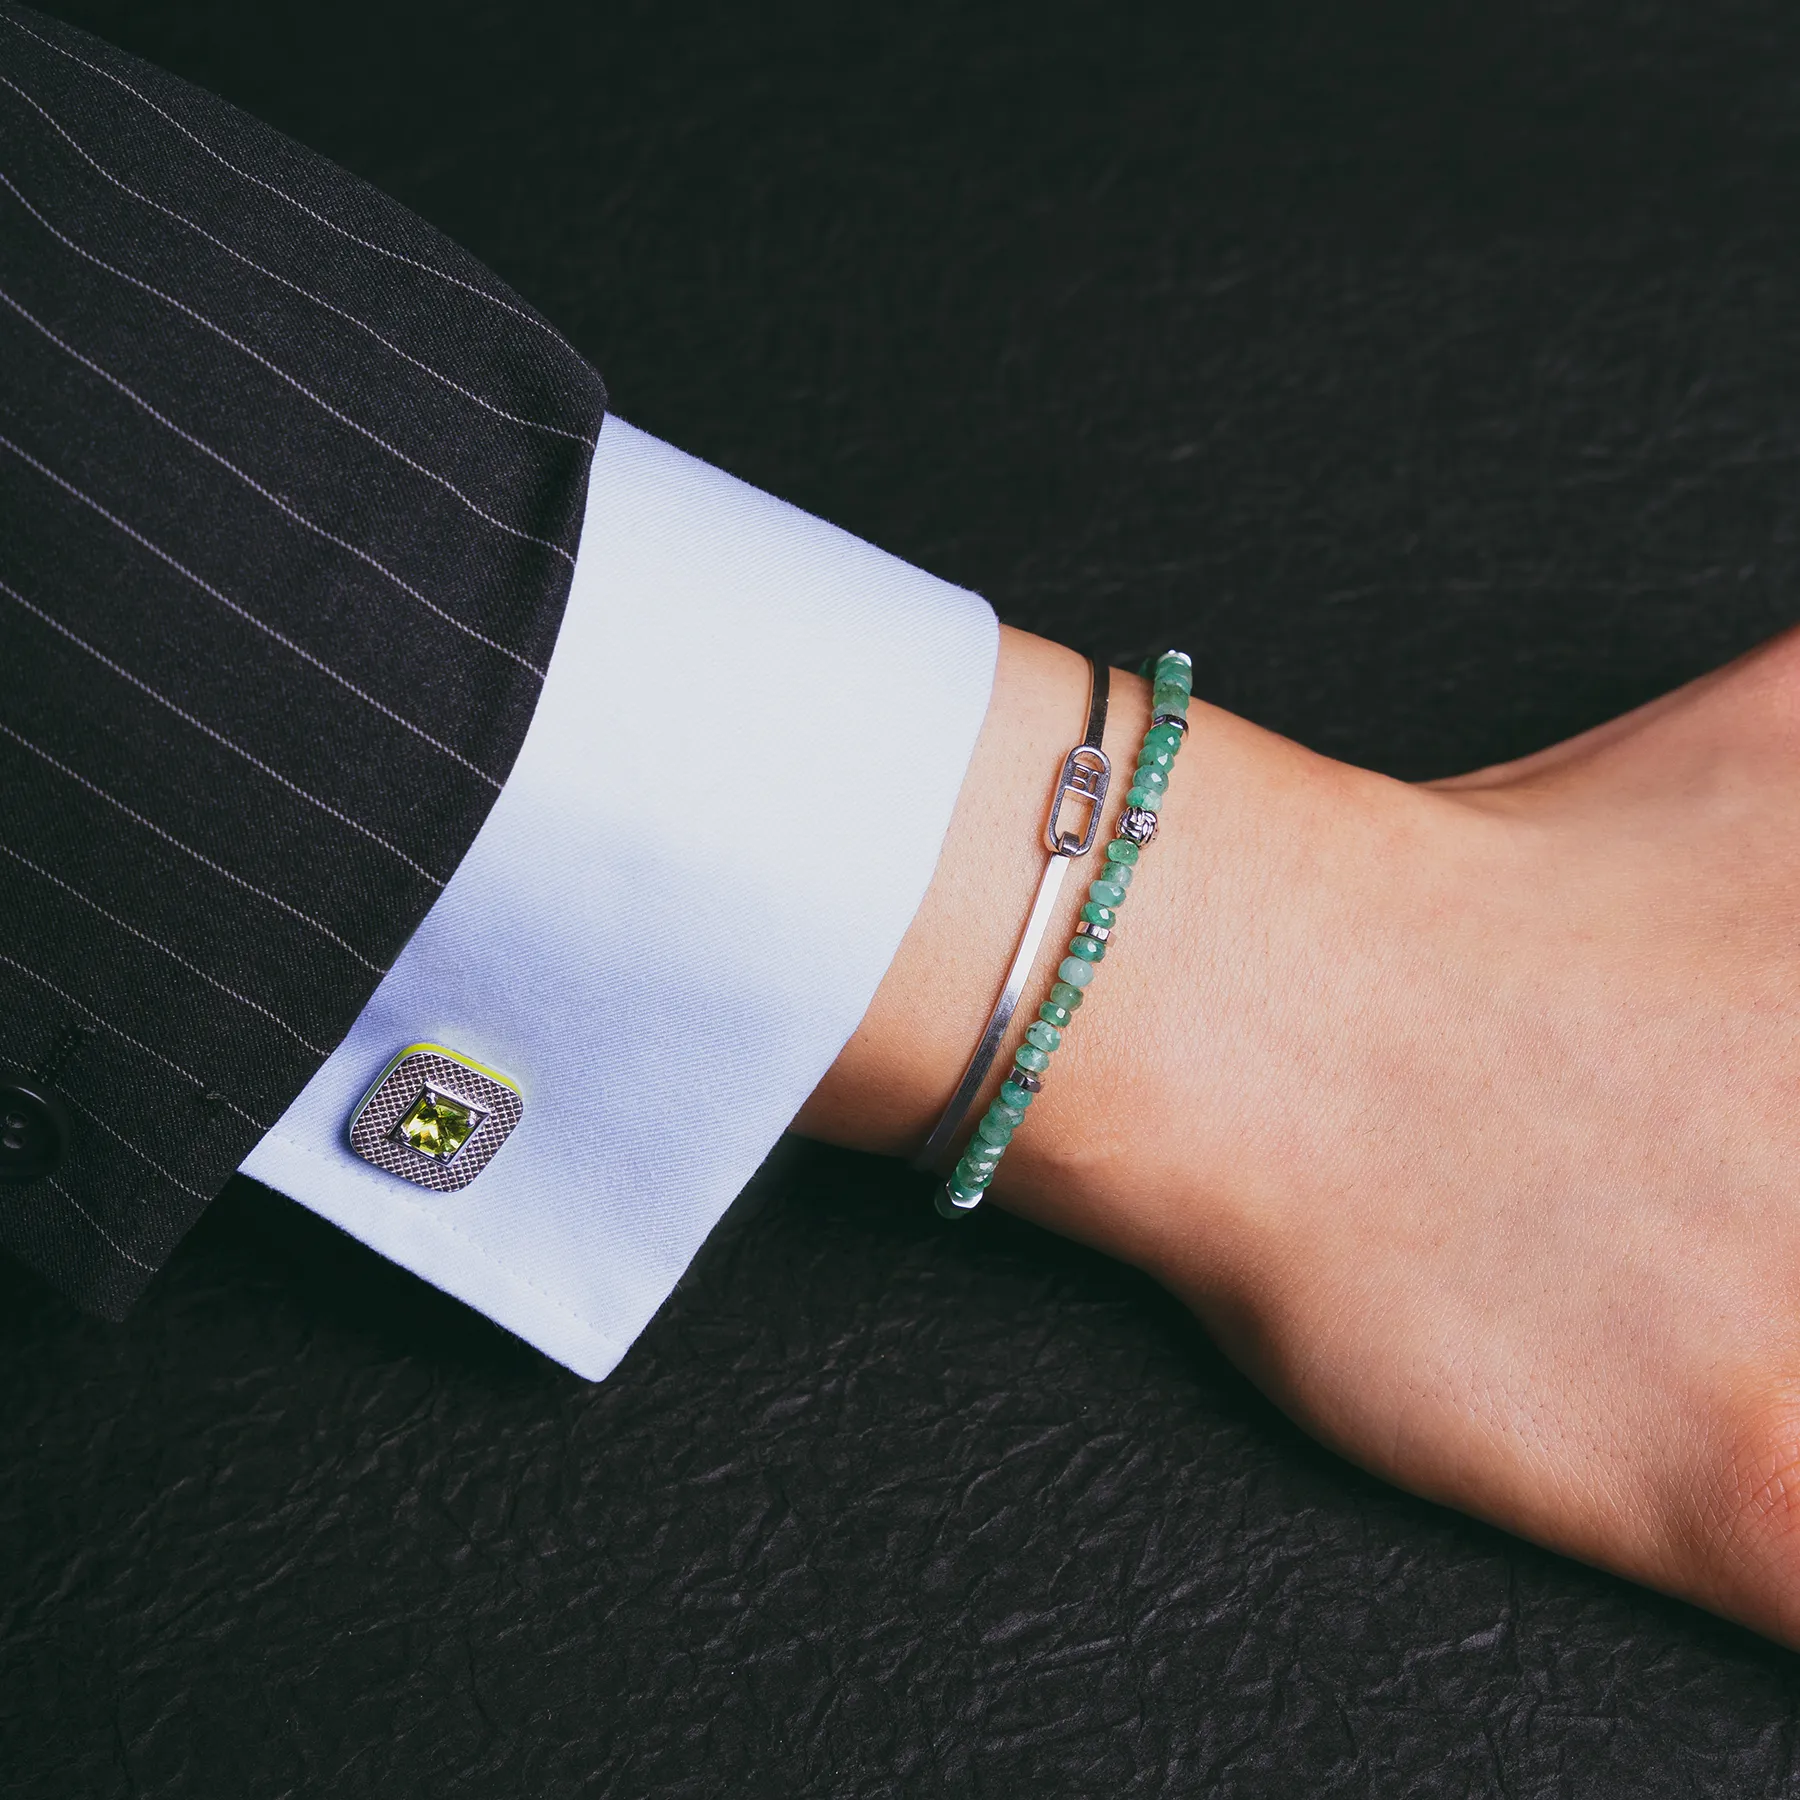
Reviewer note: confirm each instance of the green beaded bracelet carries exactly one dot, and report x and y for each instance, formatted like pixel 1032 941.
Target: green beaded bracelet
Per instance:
pixel 1172 686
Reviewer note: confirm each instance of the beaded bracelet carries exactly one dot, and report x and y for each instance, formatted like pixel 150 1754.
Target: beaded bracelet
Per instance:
pixel 1173 686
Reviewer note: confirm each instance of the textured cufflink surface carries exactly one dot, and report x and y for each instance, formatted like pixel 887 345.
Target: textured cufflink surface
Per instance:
pixel 435 1118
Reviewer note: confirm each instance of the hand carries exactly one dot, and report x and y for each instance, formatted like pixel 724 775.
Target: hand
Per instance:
pixel 1467 1116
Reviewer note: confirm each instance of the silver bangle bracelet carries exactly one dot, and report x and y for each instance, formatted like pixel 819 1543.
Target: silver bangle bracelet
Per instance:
pixel 1086 774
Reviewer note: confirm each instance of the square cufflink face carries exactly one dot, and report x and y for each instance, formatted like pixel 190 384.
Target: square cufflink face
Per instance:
pixel 435 1118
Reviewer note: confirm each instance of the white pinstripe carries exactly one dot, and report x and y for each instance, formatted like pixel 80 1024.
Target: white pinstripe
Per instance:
pixel 218 737
pixel 542 325
pixel 225 600
pixel 98 1227
pixel 124 1036
pixel 173 1180
pixel 294 382
pixel 249 887
pixel 425 368
pixel 174 956
pixel 251 482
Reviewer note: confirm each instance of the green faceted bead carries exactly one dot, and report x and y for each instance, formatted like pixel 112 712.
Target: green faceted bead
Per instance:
pixel 1173 674
pixel 1016 1096
pixel 973 1172
pixel 1120 874
pixel 1096 914
pixel 1064 995
pixel 1122 850
pixel 1075 972
pixel 1153 779
pixel 1164 737
pixel 994 1130
pixel 1052 1014
pixel 1106 893
pixel 1013 1115
pixel 1147 799
pixel 966 1191
pixel 1046 1037
pixel 1029 1056
pixel 1087 948
pixel 949 1207
pixel 1167 699
pixel 1154 756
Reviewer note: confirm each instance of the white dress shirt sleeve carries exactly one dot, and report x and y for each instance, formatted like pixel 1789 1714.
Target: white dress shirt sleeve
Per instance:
pixel 726 812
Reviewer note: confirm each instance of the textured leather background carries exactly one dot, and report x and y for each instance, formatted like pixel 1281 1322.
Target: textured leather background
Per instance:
pixel 1435 372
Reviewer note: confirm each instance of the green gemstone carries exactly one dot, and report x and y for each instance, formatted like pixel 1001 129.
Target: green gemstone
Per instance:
pixel 1154 756
pixel 994 1130
pixel 1087 948
pixel 1046 1037
pixel 947 1200
pixel 973 1174
pixel 1170 673
pixel 1122 850
pixel 1052 1014
pixel 1096 914
pixel 437 1126
pixel 1167 699
pixel 1013 1115
pixel 1164 737
pixel 1029 1056
pixel 1148 799
pixel 1107 893
pixel 1077 974
pixel 1120 874
pixel 1153 779
pixel 1014 1095
pixel 1064 995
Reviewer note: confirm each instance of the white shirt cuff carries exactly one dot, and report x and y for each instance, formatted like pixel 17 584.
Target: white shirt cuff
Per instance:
pixel 726 812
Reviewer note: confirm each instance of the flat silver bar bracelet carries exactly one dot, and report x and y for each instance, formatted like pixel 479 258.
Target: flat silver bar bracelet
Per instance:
pixel 1086 775
pixel 1172 687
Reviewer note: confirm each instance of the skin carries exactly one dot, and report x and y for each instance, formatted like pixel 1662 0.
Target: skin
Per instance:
pixel 1466 1116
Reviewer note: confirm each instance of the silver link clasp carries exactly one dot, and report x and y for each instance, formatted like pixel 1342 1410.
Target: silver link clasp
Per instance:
pixel 1086 774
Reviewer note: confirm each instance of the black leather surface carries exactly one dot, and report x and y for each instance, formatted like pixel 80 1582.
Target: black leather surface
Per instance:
pixel 1433 372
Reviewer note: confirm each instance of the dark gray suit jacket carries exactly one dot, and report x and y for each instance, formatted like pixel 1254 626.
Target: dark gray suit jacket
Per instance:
pixel 290 492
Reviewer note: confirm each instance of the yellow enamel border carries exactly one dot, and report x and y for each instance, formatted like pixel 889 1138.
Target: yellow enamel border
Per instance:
pixel 444 1050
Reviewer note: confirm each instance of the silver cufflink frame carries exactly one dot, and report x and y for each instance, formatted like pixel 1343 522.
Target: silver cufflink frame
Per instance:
pixel 428 1094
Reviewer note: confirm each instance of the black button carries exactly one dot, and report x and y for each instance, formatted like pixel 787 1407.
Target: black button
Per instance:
pixel 34 1129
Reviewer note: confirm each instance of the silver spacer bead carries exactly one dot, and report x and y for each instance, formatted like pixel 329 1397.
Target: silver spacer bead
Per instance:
pixel 1138 823
pixel 1032 1084
pixel 1174 719
pixel 1099 933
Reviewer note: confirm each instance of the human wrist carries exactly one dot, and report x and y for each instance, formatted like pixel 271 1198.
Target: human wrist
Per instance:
pixel 1101 1150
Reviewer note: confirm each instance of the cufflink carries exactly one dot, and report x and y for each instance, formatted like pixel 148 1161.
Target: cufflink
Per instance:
pixel 435 1118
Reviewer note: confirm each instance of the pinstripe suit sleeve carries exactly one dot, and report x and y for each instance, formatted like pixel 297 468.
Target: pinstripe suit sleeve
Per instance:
pixel 290 494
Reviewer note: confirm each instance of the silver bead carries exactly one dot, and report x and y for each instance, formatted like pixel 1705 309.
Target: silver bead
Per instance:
pixel 1138 824
pixel 1032 1084
pixel 1174 719
pixel 1099 933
